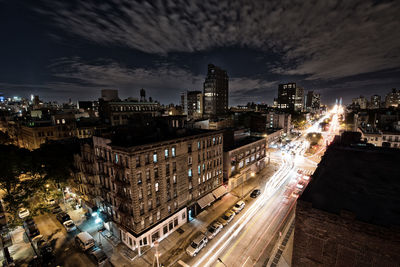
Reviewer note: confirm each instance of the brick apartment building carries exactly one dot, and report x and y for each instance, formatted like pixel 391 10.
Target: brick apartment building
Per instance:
pixel 148 187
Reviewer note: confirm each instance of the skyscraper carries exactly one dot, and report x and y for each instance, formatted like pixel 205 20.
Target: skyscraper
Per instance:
pixel 313 101
pixel 215 92
pixel 393 98
pixel 290 97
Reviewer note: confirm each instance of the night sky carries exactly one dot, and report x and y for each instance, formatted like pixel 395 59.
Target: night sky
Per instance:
pixel 73 49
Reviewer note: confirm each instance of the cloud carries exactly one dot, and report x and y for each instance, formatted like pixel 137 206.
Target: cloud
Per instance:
pixel 319 39
pixel 162 81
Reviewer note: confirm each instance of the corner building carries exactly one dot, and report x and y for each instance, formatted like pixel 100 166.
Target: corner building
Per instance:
pixel 147 191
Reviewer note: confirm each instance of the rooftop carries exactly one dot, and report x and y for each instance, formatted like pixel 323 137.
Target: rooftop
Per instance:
pixel 360 179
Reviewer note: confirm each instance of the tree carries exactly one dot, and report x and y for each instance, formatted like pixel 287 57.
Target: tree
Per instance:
pixel 314 138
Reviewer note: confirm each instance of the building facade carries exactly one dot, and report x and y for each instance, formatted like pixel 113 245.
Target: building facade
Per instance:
pixel 279 120
pixel 375 102
pixel 313 101
pixel 192 103
pixel 393 99
pixel 290 97
pixel 216 92
pixel 148 191
pixel 245 158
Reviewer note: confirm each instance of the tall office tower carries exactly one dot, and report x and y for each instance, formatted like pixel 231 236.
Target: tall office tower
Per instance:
pixel 375 102
pixel 290 97
pixel 393 98
pixel 313 101
pixel 215 92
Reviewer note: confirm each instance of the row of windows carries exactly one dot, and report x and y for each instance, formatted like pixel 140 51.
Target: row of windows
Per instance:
pixel 134 108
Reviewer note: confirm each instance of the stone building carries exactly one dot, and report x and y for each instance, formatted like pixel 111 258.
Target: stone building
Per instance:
pixel 148 187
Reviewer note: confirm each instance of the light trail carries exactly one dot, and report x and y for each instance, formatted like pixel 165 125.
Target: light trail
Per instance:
pixel 272 186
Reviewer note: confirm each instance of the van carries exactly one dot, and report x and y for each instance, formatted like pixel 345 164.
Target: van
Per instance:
pixel 84 241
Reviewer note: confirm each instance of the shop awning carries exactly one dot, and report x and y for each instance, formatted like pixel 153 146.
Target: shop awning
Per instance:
pixel 206 200
pixel 219 192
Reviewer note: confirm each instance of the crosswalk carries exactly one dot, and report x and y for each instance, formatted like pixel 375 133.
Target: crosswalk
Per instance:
pixel 305 171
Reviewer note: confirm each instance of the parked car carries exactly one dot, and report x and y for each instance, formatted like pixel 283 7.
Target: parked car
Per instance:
pixel 29 222
pixel 56 209
pixel 197 244
pixel 227 217
pixel 255 193
pixel 69 225
pixel 213 229
pixel 295 194
pixel 84 241
pixel 63 217
pixel 51 201
pixel 238 206
pixel 32 231
pixel 23 213
pixel 98 256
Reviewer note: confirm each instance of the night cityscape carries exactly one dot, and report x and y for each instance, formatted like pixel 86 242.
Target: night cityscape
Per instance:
pixel 200 133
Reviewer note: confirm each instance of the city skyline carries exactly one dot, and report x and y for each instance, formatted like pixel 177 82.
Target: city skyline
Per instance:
pixel 61 51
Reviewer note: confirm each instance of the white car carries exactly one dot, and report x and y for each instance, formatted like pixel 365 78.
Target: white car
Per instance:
pixel 197 244
pixel 238 206
pixel 23 213
pixel 295 194
pixel 69 225
pixel 300 186
pixel 213 229
pixel 306 177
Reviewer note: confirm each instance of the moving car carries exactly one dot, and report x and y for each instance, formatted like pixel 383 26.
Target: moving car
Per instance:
pixel 84 241
pixel 69 225
pixel 197 244
pixel 227 217
pixel 255 193
pixel 23 213
pixel 98 256
pixel 63 217
pixel 213 229
pixel 238 206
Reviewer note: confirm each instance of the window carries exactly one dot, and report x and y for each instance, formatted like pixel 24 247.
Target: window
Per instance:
pixel 166 153
pixel 155 236
pixel 190 160
pixel 174 179
pixel 156 187
pixel 158 215
pixel 139 177
pixel 173 152
pixel 176 222
pixel 171 225
pixel 169 209
pixel 189 148
pixel 198 145
pixel 155 172
pixel 146 159
pixel 213 140
pixel 155 157
pixel 198 169
pixel 147 175
pixel 183 216
pixel 140 194
pixel 165 229
pixel 150 204
pixel 116 158
pixel 190 173
pixel 137 161
pixel 167 169
pixel 148 189
pixel 174 166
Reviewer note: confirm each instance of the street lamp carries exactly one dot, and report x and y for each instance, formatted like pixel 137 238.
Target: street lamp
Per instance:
pixel 219 259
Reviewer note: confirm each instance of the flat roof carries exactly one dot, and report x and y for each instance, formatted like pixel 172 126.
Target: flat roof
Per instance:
pixel 363 180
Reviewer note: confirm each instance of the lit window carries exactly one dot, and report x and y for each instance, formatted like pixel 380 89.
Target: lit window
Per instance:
pixel 166 153
pixel 173 151
pixel 190 172
pixel 155 157
pixel 156 187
